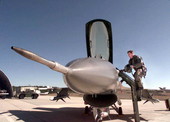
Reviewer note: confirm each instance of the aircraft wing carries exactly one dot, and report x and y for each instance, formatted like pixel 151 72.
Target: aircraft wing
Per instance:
pixel 99 39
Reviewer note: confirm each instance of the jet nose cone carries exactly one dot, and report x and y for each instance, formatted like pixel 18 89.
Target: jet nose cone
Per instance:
pixel 91 76
pixel 18 50
pixel 23 52
pixel 15 48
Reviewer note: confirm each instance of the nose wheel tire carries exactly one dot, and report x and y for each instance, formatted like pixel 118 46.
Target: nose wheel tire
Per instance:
pixel 87 110
pixel 120 112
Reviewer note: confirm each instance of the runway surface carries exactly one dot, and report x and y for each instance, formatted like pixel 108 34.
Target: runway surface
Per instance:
pixel 44 110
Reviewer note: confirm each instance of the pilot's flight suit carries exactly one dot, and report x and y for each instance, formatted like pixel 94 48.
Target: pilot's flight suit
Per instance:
pixel 138 67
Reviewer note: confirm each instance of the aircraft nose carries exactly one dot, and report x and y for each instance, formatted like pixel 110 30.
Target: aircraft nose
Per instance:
pixel 91 76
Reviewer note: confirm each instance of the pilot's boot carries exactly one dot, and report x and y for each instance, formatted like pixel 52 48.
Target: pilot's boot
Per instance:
pixel 139 95
pixel 139 88
pixel 138 83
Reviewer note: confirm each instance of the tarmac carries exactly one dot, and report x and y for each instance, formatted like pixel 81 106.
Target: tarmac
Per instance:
pixel 44 110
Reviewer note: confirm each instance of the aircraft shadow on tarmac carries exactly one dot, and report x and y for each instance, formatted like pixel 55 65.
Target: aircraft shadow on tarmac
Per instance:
pixel 161 110
pixel 65 114
pixel 125 117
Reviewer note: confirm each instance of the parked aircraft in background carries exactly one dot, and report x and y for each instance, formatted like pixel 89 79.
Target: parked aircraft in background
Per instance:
pixel 163 89
pixel 61 95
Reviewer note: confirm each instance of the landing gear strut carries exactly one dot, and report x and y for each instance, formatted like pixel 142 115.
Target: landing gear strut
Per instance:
pixel 87 110
pixel 98 117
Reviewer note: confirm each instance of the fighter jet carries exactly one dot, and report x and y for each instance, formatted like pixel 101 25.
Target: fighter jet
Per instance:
pixel 146 95
pixel 93 76
pixel 163 89
pixel 61 95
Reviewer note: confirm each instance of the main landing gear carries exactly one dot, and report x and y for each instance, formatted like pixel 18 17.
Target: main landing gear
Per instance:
pixel 100 113
pixel 87 110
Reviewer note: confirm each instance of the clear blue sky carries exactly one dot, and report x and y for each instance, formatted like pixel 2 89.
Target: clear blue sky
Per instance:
pixel 55 29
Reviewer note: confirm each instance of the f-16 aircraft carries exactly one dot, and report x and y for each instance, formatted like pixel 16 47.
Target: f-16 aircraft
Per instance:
pixel 93 76
pixel 61 95
pixel 163 89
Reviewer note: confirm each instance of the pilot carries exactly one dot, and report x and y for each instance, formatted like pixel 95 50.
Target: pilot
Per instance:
pixel 136 63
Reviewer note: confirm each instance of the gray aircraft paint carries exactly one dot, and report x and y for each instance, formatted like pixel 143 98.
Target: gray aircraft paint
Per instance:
pixel 91 76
